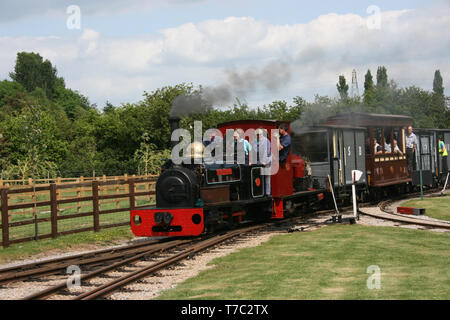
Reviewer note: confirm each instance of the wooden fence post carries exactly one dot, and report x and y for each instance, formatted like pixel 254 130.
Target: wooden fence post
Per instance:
pixel 132 194
pixel 78 195
pixel 5 220
pixel 59 192
pixel 54 210
pixel 117 192
pixel 147 189
pixel 95 205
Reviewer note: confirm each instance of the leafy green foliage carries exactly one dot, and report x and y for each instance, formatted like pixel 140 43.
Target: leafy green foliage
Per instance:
pixel 150 160
pixel 34 147
pixel 342 87
pixel 71 137
pixel 33 72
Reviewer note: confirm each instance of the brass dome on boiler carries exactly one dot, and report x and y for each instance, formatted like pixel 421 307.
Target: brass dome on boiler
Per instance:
pixel 195 150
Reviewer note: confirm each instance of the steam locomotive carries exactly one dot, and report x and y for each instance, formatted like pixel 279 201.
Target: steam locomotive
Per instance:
pixel 201 196
pixel 205 195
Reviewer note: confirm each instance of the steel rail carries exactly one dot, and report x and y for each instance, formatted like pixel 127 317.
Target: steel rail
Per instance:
pixel 63 285
pixel 52 266
pixel 389 215
pixel 191 250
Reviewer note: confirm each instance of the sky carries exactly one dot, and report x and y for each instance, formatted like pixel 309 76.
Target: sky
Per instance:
pixel 263 50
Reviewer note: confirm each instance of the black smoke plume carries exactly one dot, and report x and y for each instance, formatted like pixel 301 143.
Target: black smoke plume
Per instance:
pixel 237 85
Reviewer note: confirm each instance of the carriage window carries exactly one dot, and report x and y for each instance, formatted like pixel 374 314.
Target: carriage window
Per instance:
pixel 313 146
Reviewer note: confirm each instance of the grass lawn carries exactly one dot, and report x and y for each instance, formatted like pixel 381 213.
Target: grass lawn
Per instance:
pixel 437 207
pixel 329 263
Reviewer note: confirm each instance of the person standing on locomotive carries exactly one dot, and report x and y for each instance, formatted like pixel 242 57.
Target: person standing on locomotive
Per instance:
pixel 215 138
pixel 239 138
pixel 261 154
pixel 284 143
pixel 444 153
pixel 411 145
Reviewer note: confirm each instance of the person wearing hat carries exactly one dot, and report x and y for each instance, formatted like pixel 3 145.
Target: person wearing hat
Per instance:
pixel 261 154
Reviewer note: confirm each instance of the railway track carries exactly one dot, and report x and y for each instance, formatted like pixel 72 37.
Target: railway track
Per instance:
pixel 137 267
pixel 105 280
pixel 387 214
pixel 92 258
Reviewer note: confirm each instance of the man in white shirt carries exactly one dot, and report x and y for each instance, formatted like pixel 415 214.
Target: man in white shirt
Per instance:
pixel 411 145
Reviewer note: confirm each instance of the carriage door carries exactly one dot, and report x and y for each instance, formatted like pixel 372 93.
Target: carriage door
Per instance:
pixel 360 154
pixel 433 154
pixel 425 158
pixel 425 152
pixel 349 155
pixel 338 158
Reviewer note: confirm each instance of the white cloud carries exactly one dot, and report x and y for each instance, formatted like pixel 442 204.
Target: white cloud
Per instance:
pixel 411 44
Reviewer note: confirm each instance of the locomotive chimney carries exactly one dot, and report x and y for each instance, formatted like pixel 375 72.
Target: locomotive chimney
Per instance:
pixel 174 123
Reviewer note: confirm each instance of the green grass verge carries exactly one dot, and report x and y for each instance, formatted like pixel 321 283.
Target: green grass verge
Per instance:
pixel 329 263
pixel 436 207
pixel 63 243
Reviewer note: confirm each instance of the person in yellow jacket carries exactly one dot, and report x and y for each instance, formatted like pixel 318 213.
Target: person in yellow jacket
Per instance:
pixel 444 153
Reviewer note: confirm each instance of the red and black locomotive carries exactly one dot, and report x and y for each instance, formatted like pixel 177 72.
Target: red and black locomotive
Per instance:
pixel 197 197
pixel 202 196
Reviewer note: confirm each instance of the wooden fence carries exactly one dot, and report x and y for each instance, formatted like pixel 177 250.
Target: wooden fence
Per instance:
pixel 46 210
pixel 29 181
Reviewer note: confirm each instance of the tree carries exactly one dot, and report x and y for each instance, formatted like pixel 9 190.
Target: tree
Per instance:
pixel 382 78
pixel 13 97
pixel 32 72
pixel 368 96
pixel 148 158
pixel 437 83
pixel 35 148
pixel 342 87
pixel 438 107
pixel 72 102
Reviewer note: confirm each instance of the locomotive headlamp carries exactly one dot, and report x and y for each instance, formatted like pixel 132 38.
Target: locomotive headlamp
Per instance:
pixel 137 220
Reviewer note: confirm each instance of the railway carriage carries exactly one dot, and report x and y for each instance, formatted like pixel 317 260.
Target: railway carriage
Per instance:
pixel 383 169
pixel 332 152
